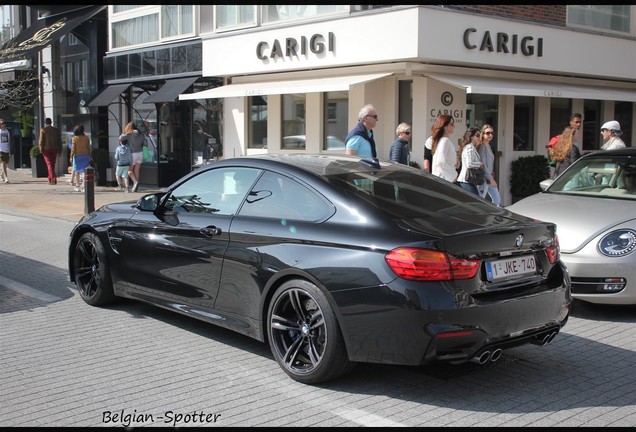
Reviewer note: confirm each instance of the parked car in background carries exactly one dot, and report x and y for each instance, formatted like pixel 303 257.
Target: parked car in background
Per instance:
pixel 332 260
pixel 593 204
pixel 296 142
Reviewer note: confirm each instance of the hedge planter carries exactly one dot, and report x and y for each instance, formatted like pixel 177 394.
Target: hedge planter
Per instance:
pixel 38 167
pixel 526 174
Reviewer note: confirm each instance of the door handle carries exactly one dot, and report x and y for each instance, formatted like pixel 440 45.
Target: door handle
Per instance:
pixel 211 231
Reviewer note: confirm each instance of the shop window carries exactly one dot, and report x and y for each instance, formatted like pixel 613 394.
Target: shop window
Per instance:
pixel 257 122
pixel 592 122
pixel 480 109
pixel 336 118
pixel 293 121
pixel 523 123
pixel 623 115
pixel 560 112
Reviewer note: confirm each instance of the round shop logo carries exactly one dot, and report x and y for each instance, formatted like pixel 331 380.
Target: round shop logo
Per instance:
pixel 447 98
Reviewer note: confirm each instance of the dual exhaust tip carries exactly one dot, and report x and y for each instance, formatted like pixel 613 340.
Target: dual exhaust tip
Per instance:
pixel 544 339
pixel 486 355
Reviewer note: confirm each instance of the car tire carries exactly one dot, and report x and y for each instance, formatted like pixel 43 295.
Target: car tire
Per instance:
pixel 304 334
pixel 90 266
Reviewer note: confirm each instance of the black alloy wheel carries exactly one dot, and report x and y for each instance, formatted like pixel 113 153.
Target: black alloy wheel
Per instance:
pixel 91 271
pixel 304 335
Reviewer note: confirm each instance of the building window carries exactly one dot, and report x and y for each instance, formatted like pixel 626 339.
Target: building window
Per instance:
pixel 233 16
pixel 523 124
pixel 278 13
pixel 293 121
pixel 336 118
pixel 612 17
pixel 177 20
pixel 135 31
pixel 142 25
pixel 257 122
pixel 72 40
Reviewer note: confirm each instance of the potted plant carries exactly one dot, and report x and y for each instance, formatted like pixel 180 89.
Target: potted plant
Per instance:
pixel 526 174
pixel 38 165
pixel 101 161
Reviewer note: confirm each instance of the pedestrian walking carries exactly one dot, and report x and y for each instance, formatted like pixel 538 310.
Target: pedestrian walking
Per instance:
pixel 445 161
pixel 399 152
pixel 360 140
pixel 80 155
pixel 50 146
pixel 136 142
pixel 123 156
pixel 5 151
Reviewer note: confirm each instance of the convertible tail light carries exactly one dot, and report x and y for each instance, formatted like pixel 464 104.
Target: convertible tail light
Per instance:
pixel 430 265
pixel 553 250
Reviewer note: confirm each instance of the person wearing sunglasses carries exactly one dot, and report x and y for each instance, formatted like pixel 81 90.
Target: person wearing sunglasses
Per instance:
pixel 611 132
pixel 487 156
pixel 400 148
pixel 360 140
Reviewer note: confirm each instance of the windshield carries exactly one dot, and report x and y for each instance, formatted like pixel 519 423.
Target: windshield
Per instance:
pixel 613 177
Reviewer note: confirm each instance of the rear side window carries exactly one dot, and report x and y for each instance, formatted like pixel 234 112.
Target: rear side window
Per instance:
pixel 279 197
pixel 404 195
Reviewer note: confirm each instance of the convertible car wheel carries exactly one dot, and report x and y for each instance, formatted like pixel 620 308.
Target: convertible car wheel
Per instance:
pixel 91 271
pixel 304 334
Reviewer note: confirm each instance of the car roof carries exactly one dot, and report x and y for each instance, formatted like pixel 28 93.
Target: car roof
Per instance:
pixel 321 164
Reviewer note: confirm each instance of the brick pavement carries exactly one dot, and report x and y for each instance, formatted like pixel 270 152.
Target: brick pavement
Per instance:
pixel 27 193
pixel 65 363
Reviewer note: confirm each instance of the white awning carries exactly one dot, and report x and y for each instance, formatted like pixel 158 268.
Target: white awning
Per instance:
pixel 536 88
pixel 313 85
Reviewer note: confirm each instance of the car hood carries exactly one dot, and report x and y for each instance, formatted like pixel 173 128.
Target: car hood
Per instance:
pixel 578 219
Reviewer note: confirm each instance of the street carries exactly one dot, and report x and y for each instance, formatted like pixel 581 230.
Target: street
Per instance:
pixel 65 363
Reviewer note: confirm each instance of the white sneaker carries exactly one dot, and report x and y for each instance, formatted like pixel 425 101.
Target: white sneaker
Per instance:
pixel 77 189
pixel 6 179
pixel 118 188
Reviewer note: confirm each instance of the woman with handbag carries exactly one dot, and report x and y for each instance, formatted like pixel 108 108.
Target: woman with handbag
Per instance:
pixel 487 156
pixel 471 175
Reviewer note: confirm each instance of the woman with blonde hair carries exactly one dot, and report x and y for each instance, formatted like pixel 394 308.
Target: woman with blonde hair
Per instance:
pixel 445 162
pixel 487 156
pixel 565 152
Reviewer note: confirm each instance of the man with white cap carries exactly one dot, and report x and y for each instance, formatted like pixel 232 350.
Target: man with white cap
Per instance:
pixel 611 132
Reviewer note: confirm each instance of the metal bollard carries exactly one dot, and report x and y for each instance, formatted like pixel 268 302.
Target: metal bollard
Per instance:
pixel 89 190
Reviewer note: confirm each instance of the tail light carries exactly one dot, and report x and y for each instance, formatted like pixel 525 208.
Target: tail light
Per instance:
pixel 553 250
pixel 430 265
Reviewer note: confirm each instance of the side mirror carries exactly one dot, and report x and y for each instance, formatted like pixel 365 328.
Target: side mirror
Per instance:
pixel 149 202
pixel 546 183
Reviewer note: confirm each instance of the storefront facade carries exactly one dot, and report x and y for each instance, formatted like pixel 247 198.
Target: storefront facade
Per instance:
pixel 300 86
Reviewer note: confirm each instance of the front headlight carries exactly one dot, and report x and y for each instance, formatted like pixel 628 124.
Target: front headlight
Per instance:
pixel 618 243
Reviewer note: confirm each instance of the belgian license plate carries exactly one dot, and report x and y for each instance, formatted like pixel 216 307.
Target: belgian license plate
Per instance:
pixel 510 268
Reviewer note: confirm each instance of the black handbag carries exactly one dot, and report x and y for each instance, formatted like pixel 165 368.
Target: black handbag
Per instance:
pixel 476 176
